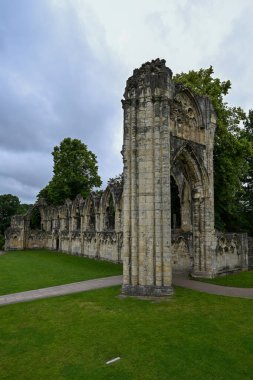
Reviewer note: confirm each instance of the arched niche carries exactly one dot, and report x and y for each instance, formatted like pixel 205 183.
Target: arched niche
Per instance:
pixel 108 210
pixel 77 218
pixel 77 211
pixel 90 214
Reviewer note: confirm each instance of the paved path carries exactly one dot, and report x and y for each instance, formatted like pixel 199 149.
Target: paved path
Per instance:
pixel 54 291
pixel 83 286
pixel 213 289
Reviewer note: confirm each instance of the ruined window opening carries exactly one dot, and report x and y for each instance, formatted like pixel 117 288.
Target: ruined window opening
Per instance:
pixel 57 243
pixel 92 218
pixel 35 219
pixel 78 219
pixel 110 214
pixel 58 223
pixel 67 222
pixel 175 205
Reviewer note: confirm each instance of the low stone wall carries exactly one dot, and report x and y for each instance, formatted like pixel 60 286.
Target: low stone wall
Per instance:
pixel 105 245
pixel 231 253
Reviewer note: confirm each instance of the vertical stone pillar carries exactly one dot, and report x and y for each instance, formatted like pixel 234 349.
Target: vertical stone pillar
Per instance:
pixel 146 195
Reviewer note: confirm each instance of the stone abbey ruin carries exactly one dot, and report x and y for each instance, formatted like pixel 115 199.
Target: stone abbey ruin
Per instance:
pixel 168 158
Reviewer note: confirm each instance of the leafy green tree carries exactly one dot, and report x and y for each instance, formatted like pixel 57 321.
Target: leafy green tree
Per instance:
pixel 23 208
pixel 246 201
pixel 75 172
pixel 35 219
pixel 9 206
pixel 231 148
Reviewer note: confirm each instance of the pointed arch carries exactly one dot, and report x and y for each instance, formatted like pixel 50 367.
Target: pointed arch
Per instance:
pixel 77 208
pixel 108 207
pixel 190 104
pixel 90 213
pixel 191 166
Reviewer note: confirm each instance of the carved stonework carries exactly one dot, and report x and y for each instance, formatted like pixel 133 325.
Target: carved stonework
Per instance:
pixel 183 111
pixel 228 244
pixel 107 237
pixel 89 236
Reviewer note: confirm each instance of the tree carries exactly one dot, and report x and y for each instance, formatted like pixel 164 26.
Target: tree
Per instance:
pixel 9 205
pixel 75 172
pixel 246 200
pixel 231 147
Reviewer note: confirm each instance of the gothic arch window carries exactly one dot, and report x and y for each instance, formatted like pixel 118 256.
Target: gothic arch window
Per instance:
pixel 35 219
pixel 67 221
pixel 78 219
pixel 110 213
pixel 58 223
pixel 191 167
pixel 91 216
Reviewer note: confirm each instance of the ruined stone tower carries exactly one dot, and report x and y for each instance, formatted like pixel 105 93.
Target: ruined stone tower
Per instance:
pixel 168 132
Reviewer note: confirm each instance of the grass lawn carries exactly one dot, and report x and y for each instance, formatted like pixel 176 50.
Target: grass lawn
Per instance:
pixel 188 336
pixel 238 280
pixel 27 270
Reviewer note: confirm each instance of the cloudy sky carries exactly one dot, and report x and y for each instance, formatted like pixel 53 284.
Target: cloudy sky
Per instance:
pixel 64 63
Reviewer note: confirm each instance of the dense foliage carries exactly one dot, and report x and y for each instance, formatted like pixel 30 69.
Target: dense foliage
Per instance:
pixel 75 172
pixel 35 219
pixel 246 201
pixel 9 205
pixel 232 147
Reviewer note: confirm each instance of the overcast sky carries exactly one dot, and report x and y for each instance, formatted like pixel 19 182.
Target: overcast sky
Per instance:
pixel 64 64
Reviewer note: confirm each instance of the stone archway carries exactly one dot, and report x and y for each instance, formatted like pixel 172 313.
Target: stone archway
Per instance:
pixel 196 203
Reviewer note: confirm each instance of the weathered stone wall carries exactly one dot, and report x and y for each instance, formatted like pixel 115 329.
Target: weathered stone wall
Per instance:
pixel 231 253
pixel 182 252
pixel 14 236
pixel 82 227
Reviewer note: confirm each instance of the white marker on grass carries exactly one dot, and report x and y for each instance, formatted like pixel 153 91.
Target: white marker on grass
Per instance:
pixel 113 360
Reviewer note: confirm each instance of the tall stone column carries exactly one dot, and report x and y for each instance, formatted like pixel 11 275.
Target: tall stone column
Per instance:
pixel 146 196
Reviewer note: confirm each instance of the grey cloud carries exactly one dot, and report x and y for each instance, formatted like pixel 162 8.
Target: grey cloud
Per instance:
pixel 52 86
pixel 235 61
pixel 10 185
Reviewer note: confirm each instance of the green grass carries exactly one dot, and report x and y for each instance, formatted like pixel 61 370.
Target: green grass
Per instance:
pixel 188 336
pixel 238 280
pixel 27 270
